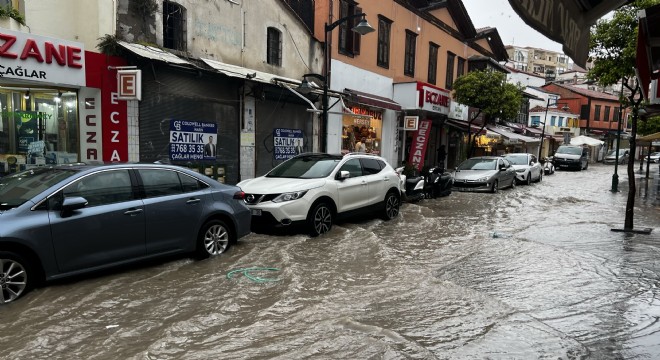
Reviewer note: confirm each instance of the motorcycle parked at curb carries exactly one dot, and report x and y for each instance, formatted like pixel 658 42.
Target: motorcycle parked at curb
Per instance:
pixel 412 188
pixel 438 183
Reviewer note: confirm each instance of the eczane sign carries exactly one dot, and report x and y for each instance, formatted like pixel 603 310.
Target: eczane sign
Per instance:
pixel 37 58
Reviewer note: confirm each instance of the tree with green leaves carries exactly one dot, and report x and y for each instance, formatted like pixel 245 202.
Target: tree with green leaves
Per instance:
pixel 488 91
pixel 613 48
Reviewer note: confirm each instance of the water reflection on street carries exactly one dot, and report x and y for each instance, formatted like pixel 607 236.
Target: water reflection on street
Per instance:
pixel 529 273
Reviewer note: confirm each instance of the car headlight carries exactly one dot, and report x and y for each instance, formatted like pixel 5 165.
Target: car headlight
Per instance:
pixel 485 178
pixel 289 196
pixel 521 170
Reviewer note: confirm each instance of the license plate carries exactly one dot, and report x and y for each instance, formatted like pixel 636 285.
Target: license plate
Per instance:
pixel 256 212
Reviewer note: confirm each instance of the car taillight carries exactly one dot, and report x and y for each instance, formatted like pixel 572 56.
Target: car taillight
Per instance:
pixel 239 195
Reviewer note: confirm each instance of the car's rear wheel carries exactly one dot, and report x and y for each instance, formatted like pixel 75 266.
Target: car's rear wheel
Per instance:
pixel 319 219
pixel 494 187
pixel 15 276
pixel 215 238
pixel 540 177
pixel 392 204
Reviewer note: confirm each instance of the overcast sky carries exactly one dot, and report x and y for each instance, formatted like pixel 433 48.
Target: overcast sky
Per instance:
pixel 512 30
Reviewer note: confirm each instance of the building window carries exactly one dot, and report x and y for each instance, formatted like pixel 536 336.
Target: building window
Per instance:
pixel 274 47
pixel 384 29
pixel 607 113
pixel 552 120
pixel 536 120
pixel 349 41
pixel 597 113
pixel 615 116
pixel 433 62
pixel 409 60
pixel 449 79
pixel 460 67
pixel 561 121
pixel 174 26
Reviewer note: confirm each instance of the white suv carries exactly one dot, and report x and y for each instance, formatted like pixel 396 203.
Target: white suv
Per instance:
pixel 312 189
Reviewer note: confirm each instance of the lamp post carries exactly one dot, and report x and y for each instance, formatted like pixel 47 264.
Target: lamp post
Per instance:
pixel 615 176
pixel 361 28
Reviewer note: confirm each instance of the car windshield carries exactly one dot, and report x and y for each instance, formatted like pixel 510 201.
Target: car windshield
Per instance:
pixel 15 189
pixel 569 150
pixel 520 159
pixel 478 164
pixel 306 167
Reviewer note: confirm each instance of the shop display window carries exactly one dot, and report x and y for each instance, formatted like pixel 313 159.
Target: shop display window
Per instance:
pixel 37 127
pixel 356 128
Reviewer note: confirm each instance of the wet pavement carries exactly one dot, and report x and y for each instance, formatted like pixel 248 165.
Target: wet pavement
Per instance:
pixel 529 273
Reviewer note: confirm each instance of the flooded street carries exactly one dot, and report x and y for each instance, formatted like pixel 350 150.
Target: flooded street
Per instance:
pixel 529 273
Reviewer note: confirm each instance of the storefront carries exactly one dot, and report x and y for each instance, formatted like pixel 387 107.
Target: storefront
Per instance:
pixel 41 82
pixel 363 126
pixel 426 146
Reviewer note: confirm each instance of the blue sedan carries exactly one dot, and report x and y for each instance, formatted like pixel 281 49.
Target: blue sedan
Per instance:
pixel 59 221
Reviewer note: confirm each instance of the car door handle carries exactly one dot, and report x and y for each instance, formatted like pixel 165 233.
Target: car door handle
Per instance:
pixel 386 179
pixel 364 183
pixel 132 212
pixel 193 201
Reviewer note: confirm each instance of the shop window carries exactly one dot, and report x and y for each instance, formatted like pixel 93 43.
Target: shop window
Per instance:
pixel 384 29
pixel 274 47
pixel 37 128
pixel 449 80
pixel 349 41
pixel 174 26
pixel 409 60
pixel 367 125
pixel 433 62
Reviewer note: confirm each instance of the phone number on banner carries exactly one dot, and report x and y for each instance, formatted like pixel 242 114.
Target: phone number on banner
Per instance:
pixel 186 152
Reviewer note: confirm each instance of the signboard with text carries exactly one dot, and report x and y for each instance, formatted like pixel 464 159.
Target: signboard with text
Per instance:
pixel 193 140
pixel 410 123
pixel 418 146
pixel 287 143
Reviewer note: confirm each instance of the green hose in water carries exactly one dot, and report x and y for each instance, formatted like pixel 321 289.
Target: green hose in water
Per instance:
pixel 247 273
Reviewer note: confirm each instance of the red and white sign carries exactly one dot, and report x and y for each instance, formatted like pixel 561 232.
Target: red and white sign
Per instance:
pixel 29 57
pixel 410 123
pixel 129 84
pixel 104 118
pixel 418 146
pixel 433 98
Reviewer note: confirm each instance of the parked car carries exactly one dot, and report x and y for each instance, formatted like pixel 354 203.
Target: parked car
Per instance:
pixel 612 157
pixel 571 157
pixel 484 173
pixel 315 188
pixel 527 167
pixel 57 221
pixel 654 157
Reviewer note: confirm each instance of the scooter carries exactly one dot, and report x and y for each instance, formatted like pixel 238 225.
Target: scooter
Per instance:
pixel 412 188
pixel 438 183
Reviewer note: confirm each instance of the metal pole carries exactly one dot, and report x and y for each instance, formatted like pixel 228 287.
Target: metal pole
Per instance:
pixel 545 118
pixel 326 75
pixel 615 177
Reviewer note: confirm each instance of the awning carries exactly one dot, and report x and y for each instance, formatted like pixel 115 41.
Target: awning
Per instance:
pixel 510 135
pixel 371 100
pixel 463 126
pixel 566 21
pixel 649 138
pixel 153 53
pixel 245 73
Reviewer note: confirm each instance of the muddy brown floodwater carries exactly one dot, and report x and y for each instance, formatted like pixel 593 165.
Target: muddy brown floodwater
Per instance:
pixel 529 273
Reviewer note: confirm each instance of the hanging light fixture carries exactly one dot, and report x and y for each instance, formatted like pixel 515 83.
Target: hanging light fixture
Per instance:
pixel 26 95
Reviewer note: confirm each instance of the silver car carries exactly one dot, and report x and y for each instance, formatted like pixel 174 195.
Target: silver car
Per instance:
pixel 484 173
pixel 58 221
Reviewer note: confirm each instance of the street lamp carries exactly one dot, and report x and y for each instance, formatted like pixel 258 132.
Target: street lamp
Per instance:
pixel 545 118
pixel 361 28
pixel 615 176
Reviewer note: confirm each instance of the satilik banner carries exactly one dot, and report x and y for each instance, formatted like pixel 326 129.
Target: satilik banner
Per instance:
pixel 287 142
pixel 419 143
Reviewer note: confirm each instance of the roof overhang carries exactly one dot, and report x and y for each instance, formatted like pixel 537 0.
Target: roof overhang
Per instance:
pixel 567 22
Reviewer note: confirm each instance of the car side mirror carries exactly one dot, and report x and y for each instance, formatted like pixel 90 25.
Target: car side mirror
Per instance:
pixel 73 203
pixel 502 167
pixel 343 175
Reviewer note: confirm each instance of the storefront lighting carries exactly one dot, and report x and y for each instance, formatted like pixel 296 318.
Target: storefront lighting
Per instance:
pixel 58 98
pixel 70 104
pixel 27 95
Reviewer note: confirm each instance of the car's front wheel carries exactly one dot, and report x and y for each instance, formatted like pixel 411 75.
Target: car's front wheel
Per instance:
pixel 15 276
pixel 494 187
pixel 214 238
pixel 319 219
pixel 392 204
